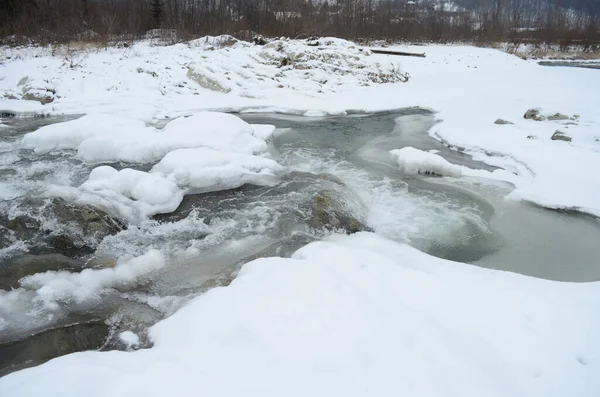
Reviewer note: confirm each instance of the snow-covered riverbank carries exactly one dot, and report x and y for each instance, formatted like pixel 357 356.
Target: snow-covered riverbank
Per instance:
pixel 355 316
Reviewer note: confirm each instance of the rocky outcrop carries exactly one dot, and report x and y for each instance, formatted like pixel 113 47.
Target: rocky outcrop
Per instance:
pixel 502 122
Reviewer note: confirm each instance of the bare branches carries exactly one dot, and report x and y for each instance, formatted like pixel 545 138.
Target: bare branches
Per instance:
pixel 550 21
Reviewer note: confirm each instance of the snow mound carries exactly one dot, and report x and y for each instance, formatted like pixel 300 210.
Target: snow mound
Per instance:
pixel 205 169
pixel 415 161
pixel 52 287
pixel 326 65
pixel 353 315
pixel 204 129
pixel 128 190
pixel 70 134
pixel 205 152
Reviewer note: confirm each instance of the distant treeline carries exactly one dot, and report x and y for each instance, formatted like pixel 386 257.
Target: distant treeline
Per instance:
pixel 549 21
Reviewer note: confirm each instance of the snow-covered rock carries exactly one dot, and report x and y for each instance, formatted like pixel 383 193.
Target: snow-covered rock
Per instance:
pixel 206 169
pixel 129 193
pixel 215 130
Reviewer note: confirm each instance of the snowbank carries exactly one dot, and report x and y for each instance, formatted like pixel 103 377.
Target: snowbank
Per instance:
pixel 415 161
pixel 353 315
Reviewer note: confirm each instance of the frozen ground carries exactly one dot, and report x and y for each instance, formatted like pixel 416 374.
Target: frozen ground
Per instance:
pixel 355 316
pixel 352 315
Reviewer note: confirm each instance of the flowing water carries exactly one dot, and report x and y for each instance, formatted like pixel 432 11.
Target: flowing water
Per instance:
pixel 339 162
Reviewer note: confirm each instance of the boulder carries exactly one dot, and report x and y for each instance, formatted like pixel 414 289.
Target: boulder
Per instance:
pixel 533 114
pixel 206 82
pixel 43 97
pixel 16 269
pixel 558 117
pixel 502 122
pixel 560 136
pixel 329 213
pixel 93 221
pixel 77 227
pixel 49 344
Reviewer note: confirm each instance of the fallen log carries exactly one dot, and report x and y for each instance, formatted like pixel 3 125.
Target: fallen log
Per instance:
pixel 399 53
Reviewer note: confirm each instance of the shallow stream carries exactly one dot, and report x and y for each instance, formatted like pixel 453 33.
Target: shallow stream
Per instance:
pixel 337 165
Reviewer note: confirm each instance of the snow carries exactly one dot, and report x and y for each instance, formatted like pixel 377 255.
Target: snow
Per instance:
pixel 132 194
pixel 468 87
pixel 129 338
pixel 70 134
pixel 414 161
pixel 205 169
pixel 204 152
pixel 53 288
pixel 353 315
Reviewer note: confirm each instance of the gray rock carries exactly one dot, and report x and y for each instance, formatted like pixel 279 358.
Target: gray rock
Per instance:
pixel 44 99
pixel 16 269
pixel 49 344
pixel 533 114
pixel 560 136
pixel 329 213
pixel 24 226
pixel 6 238
pixel 68 246
pixel 23 81
pixel 502 122
pixel 83 227
pixel 92 220
pixel 557 117
pixel 206 82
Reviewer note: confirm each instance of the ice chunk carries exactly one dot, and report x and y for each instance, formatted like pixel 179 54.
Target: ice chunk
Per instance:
pixel 415 161
pixel 205 169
